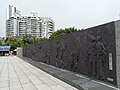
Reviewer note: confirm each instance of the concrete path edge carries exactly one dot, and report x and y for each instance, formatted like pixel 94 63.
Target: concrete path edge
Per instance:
pixel 77 80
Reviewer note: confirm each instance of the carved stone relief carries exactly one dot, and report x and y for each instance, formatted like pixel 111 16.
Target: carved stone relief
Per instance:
pixel 60 48
pixel 74 62
pixel 47 57
pixel 96 55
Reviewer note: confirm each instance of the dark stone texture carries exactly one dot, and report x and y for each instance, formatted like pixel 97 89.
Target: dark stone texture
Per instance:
pixel 85 52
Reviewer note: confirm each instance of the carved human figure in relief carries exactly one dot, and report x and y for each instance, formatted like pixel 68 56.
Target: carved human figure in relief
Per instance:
pixel 47 57
pixel 60 48
pixel 74 62
pixel 96 54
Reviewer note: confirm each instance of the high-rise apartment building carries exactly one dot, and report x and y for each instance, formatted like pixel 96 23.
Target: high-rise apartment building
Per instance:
pixel 11 27
pixel 18 25
pixel 30 25
pixel 10 11
pixel 47 26
pixel 13 12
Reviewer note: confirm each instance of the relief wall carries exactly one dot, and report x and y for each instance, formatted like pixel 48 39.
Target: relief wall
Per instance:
pixel 86 52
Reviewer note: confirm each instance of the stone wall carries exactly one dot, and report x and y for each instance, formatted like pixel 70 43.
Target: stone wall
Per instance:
pixel 117 32
pixel 20 52
pixel 91 52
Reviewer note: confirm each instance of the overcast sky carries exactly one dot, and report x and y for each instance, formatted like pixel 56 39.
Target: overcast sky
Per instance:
pixel 66 13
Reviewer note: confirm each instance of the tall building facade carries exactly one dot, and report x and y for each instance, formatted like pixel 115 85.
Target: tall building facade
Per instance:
pixel 12 27
pixel 13 12
pixel 30 25
pixel 18 25
pixel 47 26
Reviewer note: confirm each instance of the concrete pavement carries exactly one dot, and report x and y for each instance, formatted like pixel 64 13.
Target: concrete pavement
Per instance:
pixel 16 74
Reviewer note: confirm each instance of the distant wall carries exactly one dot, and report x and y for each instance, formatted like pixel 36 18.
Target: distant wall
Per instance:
pixel 91 52
pixel 20 52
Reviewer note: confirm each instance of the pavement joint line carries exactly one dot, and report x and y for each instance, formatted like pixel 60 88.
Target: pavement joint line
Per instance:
pixel 2 68
pixel 37 76
pixel 47 76
pixel 8 76
pixel 50 79
pixel 50 74
pixel 17 74
pixel 26 75
pixel 106 85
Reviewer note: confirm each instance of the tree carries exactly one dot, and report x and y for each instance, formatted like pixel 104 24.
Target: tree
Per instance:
pixel 25 39
pixel 62 32
pixel 31 40
pixel 28 39
pixel 37 40
pixel 12 41
pixel 44 39
pixel 20 42
pixel 0 41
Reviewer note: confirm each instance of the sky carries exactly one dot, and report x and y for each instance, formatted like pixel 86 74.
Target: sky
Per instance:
pixel 66 13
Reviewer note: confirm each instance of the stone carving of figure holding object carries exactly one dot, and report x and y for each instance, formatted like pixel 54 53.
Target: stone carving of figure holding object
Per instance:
pixel 96 55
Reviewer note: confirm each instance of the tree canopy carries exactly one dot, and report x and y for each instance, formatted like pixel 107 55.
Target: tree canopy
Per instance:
pixel 62 32
pixel 0 41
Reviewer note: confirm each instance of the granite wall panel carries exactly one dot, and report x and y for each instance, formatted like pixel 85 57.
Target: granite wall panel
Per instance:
pixel 91 52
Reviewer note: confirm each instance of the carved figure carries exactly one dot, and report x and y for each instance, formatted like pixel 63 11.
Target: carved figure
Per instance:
pixel 74 62
pixel 96 55
pixel 40 46
pixel 47 57
pixel 60 47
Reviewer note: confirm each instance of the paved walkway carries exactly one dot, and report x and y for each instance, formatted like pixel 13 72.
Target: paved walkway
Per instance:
pixel 16 74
